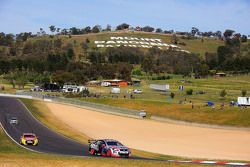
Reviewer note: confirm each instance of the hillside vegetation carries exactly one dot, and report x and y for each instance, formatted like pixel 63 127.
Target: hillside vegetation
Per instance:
pixel 197 46
pixel 192 45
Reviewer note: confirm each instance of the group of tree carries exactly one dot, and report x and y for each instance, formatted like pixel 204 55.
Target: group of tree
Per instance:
pixel 233 56
pixel 21 57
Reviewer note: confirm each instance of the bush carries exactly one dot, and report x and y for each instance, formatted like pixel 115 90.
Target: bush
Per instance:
pixel 223 93
pixel 243 93
pixel 189 92
pixel 172 95
pixel 85 93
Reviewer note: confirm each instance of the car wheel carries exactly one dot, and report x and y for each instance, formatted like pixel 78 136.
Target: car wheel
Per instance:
pixel 109 153
pixel 92 151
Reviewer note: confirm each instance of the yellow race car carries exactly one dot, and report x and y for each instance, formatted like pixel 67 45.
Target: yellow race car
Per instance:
pixel 29 139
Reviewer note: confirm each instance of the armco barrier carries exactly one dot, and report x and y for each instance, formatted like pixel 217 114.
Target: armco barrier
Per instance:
pixel 17 96
pixel 84 104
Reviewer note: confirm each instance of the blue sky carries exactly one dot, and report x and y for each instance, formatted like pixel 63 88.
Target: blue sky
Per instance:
pixel 29 15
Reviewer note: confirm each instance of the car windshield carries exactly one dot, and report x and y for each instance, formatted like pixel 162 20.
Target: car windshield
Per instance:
pixel 114 143
pixel 13 118
pixel 31 136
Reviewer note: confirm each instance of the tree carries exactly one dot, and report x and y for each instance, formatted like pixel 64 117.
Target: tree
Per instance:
pixel 211 60
pixel 243 38
pixel 148 29
pixel 228 33
pixel 22 78
pixel 223 93
pixel 172 95
pixel 194 31
pixel 218 34
pixel 243 93
pixel 122 26
pixel 18 77
pixel 87 29
pixel 147 64
pixel 124 71
pixel 64 31
pixel 223 53
pixel 96 29
pixel 137 71
pixel 11 77
pixel 58 30
pixel 6 39
pixel 74 31
pixel 52 29
pixel 158 30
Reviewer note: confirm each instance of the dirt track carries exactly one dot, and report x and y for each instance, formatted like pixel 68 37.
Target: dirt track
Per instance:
pixel 158 137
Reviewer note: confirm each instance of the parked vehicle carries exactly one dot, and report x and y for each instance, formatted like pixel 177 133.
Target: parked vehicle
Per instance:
pixel 137 91
pixel 73 88
pixel 243 101
pixel 36 88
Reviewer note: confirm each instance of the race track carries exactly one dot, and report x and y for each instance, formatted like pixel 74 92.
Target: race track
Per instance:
pixel 49 141
pixel 173 139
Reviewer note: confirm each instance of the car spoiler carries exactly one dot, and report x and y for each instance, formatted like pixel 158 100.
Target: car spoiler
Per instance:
pixel 91 141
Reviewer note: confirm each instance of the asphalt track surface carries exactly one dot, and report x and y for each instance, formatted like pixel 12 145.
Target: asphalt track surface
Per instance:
pixel 49 141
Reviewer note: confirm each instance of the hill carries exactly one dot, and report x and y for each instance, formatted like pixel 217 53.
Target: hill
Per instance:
pixel 192 45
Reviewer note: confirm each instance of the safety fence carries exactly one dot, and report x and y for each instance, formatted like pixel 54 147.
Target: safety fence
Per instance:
pixel 81 103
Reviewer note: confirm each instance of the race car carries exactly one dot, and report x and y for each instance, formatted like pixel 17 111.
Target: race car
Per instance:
pixel 29 139
pixel 13 120
pixel 108 148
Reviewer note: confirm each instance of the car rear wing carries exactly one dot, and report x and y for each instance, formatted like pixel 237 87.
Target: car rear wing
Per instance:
pixel 91 141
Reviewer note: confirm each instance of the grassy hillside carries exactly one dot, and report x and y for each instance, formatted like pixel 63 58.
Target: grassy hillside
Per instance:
pixel 194 45
pixel 160 103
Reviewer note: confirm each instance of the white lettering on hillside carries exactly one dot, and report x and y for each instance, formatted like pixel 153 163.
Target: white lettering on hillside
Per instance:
pixel 136 42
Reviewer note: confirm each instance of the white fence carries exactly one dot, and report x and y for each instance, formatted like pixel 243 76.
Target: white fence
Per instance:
pixel 79 103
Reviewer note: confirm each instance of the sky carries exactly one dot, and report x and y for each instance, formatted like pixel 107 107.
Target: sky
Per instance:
pixel 180 15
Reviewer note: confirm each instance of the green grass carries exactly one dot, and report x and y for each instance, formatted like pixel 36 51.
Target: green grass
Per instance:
pixel 160 104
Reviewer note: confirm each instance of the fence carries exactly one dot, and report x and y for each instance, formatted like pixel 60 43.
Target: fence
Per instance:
pixel 83 104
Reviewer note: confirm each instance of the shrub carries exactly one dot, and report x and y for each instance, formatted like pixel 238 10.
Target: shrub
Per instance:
pixel 243 93
pixel 189 92
pixel 172 95
pixel 223 93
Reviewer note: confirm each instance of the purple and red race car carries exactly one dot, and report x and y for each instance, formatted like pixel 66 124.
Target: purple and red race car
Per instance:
pixel 108 148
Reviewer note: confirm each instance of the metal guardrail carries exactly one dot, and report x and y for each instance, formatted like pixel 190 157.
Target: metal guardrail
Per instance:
pixel 81 103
